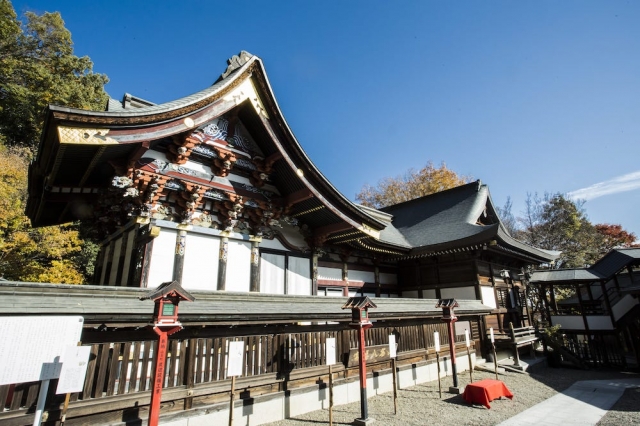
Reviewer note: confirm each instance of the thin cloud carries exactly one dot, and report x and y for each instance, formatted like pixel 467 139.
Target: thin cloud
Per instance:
pixel 623 183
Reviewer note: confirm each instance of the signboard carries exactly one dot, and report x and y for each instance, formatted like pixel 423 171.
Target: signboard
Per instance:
pixel 236 358
pixel 74 369
pixel 31 347
pixel 392 345
pixel 373 354
pixel 331 350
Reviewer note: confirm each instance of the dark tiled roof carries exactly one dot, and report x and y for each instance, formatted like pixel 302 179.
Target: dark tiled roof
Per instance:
pixel 98 304
pixel 442 217
pixel 603 269
pixel 556 275
pixel 615 260
pixel 450 219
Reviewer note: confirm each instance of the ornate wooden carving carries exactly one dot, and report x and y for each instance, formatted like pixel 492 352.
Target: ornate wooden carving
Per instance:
pixel 189 200
pixel 225 161
pixel 230 212
pixel 264 167
pixel 181 146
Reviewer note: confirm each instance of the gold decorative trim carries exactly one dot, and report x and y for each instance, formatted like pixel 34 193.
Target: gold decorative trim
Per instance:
pixel 86 136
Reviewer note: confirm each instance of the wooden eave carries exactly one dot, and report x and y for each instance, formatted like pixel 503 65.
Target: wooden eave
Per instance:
pixel 136 131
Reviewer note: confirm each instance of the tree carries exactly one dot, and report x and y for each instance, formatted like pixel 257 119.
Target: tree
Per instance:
pixel 556 222
pixel 614 236
pixel 413 184
pixel 38 67
pixel 507 218
pixel 29 254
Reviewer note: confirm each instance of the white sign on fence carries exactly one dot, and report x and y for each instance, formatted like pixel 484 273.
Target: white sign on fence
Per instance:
pixel 331 350
pixel 31 347
pixel 236 358
pixel 74 369
pixel 392 345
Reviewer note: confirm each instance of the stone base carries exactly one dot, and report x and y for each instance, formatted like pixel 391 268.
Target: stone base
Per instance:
pixel 455 390
pixel 363 422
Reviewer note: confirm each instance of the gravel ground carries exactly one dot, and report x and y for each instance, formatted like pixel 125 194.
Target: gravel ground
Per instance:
pixel 421 405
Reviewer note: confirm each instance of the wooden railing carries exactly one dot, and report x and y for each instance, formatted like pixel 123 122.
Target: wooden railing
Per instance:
pixel 119 369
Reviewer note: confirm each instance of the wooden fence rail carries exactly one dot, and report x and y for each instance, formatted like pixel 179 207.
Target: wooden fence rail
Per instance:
pixel 126 368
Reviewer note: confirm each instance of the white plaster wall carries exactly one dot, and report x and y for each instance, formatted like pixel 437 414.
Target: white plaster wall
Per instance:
pixel 162 257
pixel 623 306
pixel 488 296
pixel 386 278
pixel 568 322
pixel 599 322
pixel 275 407
pixel 238 266
pixel 299 276
pixel 329 273
pixel 460 293
pixel 272 273
pixel 366 276
pixel 429 293
pixel 273 244
pixel 410 294
pixel 200 270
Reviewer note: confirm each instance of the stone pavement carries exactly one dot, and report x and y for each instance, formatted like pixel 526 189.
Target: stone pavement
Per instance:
pixel 583 404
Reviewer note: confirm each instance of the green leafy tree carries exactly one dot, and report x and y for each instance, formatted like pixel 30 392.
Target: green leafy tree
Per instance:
pixel 556 222
pixel 38 67
pixel 413 184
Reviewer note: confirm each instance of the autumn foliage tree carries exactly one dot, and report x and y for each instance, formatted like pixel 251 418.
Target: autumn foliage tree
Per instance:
pixel 413 184
pixel 38 67
pixel 556 222
pixel 26 253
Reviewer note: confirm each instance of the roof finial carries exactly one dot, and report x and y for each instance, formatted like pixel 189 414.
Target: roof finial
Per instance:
pixel 235 62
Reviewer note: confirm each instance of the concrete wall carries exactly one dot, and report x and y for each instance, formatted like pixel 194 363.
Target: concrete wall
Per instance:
pixel 283 405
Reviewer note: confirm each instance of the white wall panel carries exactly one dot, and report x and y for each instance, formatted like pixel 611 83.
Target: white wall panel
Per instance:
pixel 200 270
pixel 388 278
pixel 460 293
pixel 488 296
pixel 299 276
pixel 366 276
pixel 239 266
pixel 162 257
pixel 329 273
pixel 272 273
pixel 429 293
pixel 410 294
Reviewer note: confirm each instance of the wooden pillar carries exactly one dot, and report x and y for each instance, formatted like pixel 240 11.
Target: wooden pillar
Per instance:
pixel 630 271
pixel 178 260
pixel 546 301
pixel 376 275
pixel 222 260
pixel 584 316
pixel 477 284
pixel 495 295
pixel 345 275
pixel 254 285
pixel 317 253
pixel 607 302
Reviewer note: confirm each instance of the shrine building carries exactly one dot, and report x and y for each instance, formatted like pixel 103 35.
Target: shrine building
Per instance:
pixel 215 192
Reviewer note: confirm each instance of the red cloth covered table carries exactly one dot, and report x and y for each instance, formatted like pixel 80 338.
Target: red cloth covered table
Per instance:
pixel 485 391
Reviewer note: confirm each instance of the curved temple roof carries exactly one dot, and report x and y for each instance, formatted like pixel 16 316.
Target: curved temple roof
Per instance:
pixel 81 151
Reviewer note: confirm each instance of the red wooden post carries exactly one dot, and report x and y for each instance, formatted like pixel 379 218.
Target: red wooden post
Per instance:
pixel 449 317
pixel 158 375
pixel 360 321
pixel 165 322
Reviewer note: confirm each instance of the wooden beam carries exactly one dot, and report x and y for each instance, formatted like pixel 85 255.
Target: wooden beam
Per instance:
pixel 297 197
pixel 332 229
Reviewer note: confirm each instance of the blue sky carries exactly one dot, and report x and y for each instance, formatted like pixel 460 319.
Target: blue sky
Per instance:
pixel 526 96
